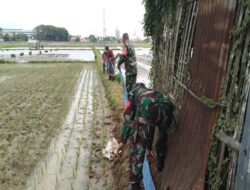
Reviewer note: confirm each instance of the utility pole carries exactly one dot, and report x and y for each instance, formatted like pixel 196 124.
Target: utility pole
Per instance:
pixel 104 27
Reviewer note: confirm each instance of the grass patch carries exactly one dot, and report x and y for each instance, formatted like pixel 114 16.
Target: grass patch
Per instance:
pixel 115 98
pixel 112 88
pixel 113 92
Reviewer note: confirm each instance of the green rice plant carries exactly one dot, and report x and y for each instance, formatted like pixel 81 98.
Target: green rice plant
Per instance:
pixel 38 82
pixel 13 55
pixel 74 172
pixel 61 165
pixel 22 54
pixel 117 78
pixel 57 183
pixel 87 186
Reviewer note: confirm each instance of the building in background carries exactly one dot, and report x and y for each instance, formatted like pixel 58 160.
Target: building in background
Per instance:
pixel 117 34
pixel 12 32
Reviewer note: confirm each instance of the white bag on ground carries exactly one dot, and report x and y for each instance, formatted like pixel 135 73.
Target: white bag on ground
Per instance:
pixel 110 150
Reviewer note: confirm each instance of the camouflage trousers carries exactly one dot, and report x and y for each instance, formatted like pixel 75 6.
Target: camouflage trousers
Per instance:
pixel 130 81
pixel 136 155
pixel 138 142
pixel 161 147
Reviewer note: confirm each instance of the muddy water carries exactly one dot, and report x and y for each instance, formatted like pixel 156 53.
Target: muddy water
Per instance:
pixel 48 54
pixel 71 160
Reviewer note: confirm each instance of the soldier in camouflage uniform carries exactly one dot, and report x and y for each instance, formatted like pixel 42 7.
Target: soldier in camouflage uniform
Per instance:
pixel 129 59
pixel 145 110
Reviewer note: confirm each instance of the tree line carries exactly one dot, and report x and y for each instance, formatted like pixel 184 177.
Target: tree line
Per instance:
pixel 50 33
pixel 15 37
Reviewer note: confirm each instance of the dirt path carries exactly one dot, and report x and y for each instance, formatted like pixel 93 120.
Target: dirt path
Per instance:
pixel 74 159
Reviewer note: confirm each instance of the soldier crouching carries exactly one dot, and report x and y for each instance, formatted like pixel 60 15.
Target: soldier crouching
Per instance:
pixel 145 110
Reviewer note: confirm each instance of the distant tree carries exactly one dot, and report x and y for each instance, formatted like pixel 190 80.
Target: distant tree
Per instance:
pixel 78 38
pixel 113 39
pixel 6 38
pixel 20 37
pixel 1 35
pixel 109 39
pixel 50 33
pixel 92 38
pixel 106 39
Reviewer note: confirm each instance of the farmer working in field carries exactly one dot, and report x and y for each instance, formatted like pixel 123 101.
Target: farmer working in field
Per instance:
pixel 129 59
pixel 146 109
pixel 108 62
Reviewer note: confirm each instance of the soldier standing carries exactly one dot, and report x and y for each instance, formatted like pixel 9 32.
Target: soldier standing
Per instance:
pixel 145 110
pixel 129 59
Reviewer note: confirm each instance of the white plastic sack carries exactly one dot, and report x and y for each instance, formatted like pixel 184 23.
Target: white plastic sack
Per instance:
pixel 111 148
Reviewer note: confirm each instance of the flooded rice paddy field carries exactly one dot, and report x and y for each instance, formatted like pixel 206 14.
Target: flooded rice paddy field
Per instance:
pixel 54 122
pixel 74 159
pixel 51 54
pixel 55 106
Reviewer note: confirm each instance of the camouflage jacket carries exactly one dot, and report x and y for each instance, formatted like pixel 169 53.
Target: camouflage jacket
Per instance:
pixel 143 111
pixel 129 59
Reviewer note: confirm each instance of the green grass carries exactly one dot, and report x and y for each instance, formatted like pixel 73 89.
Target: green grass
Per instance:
pixel 112 88
pixel 34 101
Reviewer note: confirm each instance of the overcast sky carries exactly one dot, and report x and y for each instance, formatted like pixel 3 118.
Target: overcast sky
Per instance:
pixel 82 17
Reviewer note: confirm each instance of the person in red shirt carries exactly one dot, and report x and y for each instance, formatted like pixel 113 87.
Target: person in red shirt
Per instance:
pixel 108 62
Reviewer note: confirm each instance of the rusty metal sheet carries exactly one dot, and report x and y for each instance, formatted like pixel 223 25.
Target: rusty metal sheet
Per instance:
pixel 187 156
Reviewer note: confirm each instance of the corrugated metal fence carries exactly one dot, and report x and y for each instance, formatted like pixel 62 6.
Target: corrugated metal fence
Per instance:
pixel 199 62
pixel 186 162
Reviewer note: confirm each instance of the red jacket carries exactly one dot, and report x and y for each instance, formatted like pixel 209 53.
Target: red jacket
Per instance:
pixel 109 55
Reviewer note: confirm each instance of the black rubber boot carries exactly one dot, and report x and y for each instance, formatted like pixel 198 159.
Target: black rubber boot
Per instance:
pixel 103 68
pixel 134 186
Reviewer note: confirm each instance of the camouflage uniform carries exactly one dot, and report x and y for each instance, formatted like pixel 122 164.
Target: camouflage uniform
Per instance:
pixel 145 110
pixel 128 57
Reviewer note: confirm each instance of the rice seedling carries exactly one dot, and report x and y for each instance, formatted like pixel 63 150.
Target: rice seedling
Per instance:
pixel 34 91
pixel 87 186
